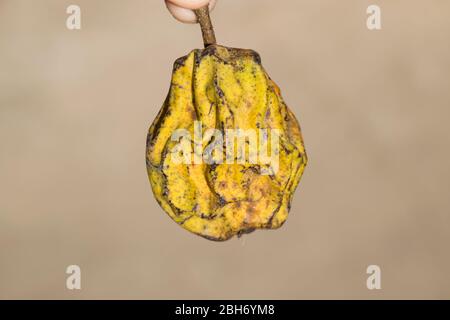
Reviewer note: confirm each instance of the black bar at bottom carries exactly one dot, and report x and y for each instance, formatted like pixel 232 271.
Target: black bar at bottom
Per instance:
pixel 215 309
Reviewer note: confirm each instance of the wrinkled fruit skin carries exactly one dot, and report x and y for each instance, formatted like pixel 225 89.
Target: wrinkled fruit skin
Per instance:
pixel 224 88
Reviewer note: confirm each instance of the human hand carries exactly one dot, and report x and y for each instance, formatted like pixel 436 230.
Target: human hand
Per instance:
pixel 182 10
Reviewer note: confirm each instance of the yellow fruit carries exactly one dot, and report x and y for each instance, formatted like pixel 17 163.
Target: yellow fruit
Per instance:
pixel 224 89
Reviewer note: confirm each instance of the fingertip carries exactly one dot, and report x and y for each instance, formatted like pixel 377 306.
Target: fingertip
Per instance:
pixel 190 4
pixel 181 14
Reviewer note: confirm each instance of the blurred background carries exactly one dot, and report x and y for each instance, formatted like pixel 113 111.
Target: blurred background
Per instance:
pixel 75 107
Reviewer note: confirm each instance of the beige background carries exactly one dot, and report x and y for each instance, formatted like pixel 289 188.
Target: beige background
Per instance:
pixel 374 107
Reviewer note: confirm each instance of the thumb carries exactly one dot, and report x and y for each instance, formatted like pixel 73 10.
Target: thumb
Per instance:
pixel 182 10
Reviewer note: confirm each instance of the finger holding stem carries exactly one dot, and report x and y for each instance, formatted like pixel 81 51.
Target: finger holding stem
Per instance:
pixel 183 10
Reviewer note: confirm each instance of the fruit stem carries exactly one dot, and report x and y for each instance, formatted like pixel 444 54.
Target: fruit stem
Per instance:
pixel 209 37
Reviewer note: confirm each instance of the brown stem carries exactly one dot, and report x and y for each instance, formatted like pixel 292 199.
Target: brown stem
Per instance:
pixel 209 38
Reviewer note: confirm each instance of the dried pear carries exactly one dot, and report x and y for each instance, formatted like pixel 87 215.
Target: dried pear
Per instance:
pixel 217 95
